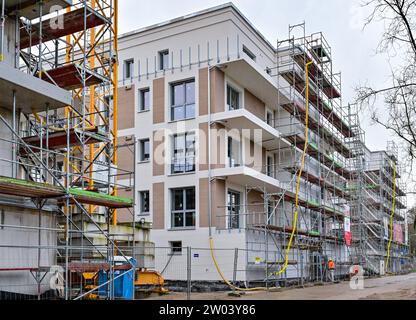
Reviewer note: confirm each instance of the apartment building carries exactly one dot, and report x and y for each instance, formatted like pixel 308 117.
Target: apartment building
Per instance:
pixel 219 116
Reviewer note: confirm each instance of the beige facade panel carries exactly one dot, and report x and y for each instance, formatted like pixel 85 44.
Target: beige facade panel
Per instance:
pixel 217 91
pixel 126 107
pixel 203 91
pixel 254 105
pixel 218 203
pixel 255 203
pixel 203 203
pixel 159 100
pixel 125 215
pixel 219 151
pixel 125 153
pixel 158 206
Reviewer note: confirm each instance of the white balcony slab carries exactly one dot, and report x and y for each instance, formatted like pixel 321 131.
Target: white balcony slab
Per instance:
pixel 32 94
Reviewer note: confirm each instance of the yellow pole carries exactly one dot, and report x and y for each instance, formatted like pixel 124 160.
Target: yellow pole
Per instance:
pixel 91 111
pixel 115 96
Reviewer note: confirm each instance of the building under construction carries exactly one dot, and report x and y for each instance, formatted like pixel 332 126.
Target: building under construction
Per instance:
pixel 246 156
pixel 260 153
pixel 61 184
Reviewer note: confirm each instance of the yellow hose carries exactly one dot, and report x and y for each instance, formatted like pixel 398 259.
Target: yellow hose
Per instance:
pixel 392 217
pixel 305 149
pixel 295 219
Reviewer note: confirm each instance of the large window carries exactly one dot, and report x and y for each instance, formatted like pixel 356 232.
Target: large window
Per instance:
pixel 183 100
pixel 128 69
pixel 183 153
pixel 163 60
pixel 183 208
pixel 144 150
pixel 144 99
pixel 233 98
pixel 233 210
pixel 144 197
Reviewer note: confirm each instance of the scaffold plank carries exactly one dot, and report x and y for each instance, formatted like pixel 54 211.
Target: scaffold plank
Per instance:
pixel 69 77
pixel 72 22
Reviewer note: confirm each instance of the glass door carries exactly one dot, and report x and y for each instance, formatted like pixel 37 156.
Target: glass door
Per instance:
pixel 233 210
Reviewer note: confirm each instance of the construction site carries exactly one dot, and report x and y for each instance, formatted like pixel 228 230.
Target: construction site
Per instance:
pixel 85 212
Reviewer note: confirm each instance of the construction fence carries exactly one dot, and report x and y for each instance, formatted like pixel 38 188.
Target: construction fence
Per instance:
pixel 42 273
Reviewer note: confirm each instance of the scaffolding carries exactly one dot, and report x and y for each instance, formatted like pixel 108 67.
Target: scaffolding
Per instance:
pixel 64 139
pixel 324 196
pixel 378 194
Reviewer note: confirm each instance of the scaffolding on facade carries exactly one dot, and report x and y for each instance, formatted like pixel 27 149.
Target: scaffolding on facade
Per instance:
pixel 324 197
pixel 66 154
pixel 378 211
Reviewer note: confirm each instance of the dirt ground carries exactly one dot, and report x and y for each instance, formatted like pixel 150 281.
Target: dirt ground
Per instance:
pixel 386 288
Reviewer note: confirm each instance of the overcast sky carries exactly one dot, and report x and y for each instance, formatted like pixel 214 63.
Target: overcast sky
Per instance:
pixel 341 21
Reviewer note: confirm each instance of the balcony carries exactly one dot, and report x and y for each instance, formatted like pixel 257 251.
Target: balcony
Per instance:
pixel 252 77
pixel 32 94
pixel 243 119
pixel 246 176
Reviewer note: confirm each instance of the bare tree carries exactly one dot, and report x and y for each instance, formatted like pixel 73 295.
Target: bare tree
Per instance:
pixel 399 17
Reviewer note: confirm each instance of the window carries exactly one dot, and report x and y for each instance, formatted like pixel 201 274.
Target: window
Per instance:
pixel 183 153
pixel 128 69
pixel 270 118
pixel 144 99
pixel 270 166
pixel 2 218
pixel 163 60
pixel 144 197
pixel 175 247
pixel 249 53
pixel 183 100
pixel 183 208
pixel 233 99
pixel 233 210
pixel 234 153
pixel 144 150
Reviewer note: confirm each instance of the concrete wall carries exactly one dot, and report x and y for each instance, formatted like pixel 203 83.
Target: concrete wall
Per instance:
pixel 22 282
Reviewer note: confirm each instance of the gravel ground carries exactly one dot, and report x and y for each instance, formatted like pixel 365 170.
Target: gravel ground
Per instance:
pixel 386 288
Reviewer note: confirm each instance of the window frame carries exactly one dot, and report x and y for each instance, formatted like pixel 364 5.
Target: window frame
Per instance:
pixel 230 90
pixel 230 151
pixel 141 202
pixel 162 54
pixel 270 166
pixel 186 105
pixel 175 250
pixel 129 62
pixel 184 211
pixel 185 151
pixel 233 222
pixel 142 154
pixel 142 92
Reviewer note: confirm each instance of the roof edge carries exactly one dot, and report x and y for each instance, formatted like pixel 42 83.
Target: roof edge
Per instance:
pixel 198 14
